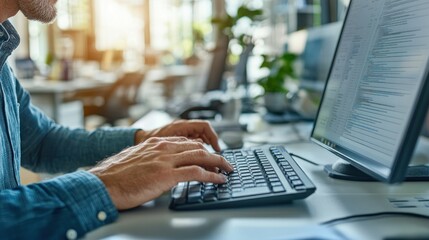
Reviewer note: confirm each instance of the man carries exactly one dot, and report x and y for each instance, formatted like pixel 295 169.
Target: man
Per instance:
pixel 76 203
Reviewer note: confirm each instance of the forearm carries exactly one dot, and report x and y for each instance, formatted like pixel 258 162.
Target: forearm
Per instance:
pixel 76 202
pixel 65 150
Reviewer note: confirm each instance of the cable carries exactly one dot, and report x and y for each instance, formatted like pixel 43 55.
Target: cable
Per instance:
pixel 304 159
pixel 356 217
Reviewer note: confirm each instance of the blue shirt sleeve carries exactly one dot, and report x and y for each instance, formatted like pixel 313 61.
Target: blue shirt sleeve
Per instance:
pixel 74 203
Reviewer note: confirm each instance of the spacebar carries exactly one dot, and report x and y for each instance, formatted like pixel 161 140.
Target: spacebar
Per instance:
pixel 251 191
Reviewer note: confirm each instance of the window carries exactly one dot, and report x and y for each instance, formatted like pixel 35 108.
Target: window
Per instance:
pixel 73 14
pixel 176 26
pixel 119 25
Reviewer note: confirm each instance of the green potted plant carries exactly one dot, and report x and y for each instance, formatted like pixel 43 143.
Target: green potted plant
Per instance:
pixel 227 23
pixel 281 70
pixel 226 26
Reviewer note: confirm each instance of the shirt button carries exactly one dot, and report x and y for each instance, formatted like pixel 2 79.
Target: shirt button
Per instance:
pixel 102 216
pixel 71 234
pixel 1 34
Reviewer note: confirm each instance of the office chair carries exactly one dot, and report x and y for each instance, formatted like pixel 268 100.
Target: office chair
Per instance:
pixel 114 102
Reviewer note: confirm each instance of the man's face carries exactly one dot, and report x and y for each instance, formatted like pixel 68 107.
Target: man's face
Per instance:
pixel 40 10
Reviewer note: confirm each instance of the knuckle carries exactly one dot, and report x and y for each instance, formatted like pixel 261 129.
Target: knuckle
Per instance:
pixel 222 160
pixel 199 145
pixel 182 139
pixel 201 153
pixel 162 145
pixel 197 171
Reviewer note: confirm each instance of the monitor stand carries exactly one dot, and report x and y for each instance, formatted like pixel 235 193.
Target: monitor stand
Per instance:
pixel 345 171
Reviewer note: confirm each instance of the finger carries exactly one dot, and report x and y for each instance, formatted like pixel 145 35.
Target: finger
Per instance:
pixel 170 139
pixel 179 146
pixel 205 139
pixel 195 173
pixel 202 158
pixel 199 137
pixel 213 169
pixel 208 132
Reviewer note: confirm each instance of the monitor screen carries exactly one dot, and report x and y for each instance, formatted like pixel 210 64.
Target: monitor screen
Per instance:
pixel 315 48
pixel 376 95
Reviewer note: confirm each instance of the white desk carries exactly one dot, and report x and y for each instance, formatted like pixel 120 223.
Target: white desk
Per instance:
pixel 49 96
pixel 332 199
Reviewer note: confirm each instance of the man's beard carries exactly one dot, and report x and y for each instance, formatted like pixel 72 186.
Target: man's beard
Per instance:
pixel 40 10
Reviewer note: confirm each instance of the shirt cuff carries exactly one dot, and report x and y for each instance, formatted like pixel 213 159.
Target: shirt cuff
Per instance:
pixel 87 197
pixel 115 140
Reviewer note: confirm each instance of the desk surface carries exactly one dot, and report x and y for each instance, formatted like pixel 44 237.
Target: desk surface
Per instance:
pixel 57 87
pixel 332 199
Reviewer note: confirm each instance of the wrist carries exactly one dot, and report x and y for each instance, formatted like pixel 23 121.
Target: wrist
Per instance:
pixel 111 188
pixel 141 136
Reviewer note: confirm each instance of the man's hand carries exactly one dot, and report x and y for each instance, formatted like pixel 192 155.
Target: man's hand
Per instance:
pixel 192 129
pixel 143 172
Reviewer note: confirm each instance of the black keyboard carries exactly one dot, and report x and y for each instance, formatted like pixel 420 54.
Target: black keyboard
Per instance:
pixel 262 176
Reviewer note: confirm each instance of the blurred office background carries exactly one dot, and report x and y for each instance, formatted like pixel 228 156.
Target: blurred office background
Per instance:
pixel 110 62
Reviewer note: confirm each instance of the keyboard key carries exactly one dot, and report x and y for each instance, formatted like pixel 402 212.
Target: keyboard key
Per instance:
pixel 258 175
pixel 248 182
pixel 194 197
pixel 278 189
pixel 224 196
pixel 292 178
pixel 264 184
pixel 260 181
pixel 194 188
pixel 179 194
pixel 300 188
pixel 251 192
pixel 297 183
pixel 276 179
pixel 274 184
pixel 209 197
pixel 247 178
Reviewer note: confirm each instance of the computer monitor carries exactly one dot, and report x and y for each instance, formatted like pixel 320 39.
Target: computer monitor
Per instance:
pixel 377 93
pixel 315 48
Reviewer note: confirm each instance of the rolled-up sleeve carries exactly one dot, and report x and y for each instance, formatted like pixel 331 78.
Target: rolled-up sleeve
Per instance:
pixel 71 205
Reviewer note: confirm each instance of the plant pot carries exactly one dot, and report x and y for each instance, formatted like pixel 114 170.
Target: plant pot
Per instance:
pixel 276 102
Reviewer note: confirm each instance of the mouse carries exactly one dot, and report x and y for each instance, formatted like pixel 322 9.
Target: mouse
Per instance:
pixel 232 139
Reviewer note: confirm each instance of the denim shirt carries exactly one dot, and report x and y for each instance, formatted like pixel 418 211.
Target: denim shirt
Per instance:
pixel 68 206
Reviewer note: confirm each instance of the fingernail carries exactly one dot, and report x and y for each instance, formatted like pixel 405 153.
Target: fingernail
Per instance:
pixel 232 167
pixel 225 178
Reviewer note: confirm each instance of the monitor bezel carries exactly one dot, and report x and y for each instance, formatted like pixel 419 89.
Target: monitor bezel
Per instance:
pixel 398 171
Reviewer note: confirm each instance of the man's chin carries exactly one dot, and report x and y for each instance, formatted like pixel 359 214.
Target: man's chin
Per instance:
pixel 43 19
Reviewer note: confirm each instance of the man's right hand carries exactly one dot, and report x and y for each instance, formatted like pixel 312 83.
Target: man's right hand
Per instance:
pixel 142 173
